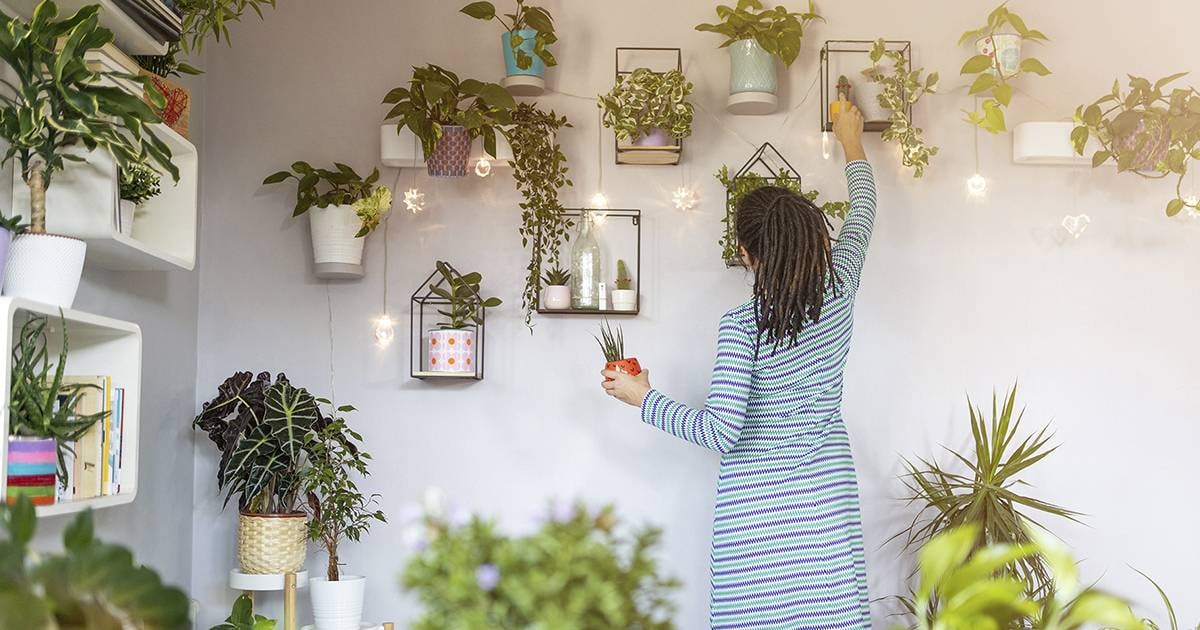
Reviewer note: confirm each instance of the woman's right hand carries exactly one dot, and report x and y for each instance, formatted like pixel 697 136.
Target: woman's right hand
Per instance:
pixel 848 128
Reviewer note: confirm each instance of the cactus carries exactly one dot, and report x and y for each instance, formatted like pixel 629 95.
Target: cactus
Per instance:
pixel 624 282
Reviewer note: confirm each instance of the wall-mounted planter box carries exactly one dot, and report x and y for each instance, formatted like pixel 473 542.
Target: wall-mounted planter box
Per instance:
pixel 403 150
pixel 435 353
pixel 99 346
pixel 83 201
pixel 629 223
pixel 654 150
pixel 849 58
pixel 1049 144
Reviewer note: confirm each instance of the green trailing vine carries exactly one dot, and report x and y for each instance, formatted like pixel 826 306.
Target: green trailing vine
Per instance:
pixel 990 79
pixel 902 88
pixel 644 100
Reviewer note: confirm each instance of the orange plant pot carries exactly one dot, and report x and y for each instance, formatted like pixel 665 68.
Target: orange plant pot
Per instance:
pixel 628 366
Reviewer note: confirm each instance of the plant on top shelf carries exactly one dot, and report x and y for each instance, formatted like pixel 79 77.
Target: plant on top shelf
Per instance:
pixel 902 87
pixel 613 346
pixel 997 63
pixel 529 32
pixel 1148 131
pixel 624 297
pixel 90 584
pixel 540 171
pixel 447 113
pixel 777 31
pixel 167 64
pixel 211 18
pixel 647 104
pixel 558 288
pixel 242 617
pixel 738 187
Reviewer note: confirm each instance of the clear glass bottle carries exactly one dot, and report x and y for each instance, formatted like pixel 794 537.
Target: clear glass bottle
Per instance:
pixel 585 267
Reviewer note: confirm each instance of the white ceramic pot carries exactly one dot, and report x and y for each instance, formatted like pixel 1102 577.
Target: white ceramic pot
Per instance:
pixel 337 605
pixel 624 300
pixel 1004 49
pixel 336 251
pixel 45 268
pixel 449 350
pixel 557 297
pixel 866 96
pixel 125 221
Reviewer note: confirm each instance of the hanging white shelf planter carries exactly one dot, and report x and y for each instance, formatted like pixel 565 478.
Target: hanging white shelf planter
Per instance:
pixel 403 150
pixel 1049 144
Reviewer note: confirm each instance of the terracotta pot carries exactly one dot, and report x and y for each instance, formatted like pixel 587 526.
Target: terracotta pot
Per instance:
pixel 628 366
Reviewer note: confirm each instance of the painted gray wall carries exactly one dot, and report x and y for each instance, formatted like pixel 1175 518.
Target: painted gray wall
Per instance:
pixel 958 297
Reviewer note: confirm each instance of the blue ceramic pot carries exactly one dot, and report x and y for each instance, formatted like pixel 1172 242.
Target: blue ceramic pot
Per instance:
pixel 537 68
pixel 751 69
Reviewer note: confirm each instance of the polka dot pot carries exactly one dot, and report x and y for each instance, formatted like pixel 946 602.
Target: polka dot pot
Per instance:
pixel 450 351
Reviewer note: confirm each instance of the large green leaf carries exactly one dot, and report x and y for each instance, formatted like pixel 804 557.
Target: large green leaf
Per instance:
pixel 291 414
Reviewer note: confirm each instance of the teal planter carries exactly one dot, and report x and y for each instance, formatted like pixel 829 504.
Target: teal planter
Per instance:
pixel 751 69
pixel 536 69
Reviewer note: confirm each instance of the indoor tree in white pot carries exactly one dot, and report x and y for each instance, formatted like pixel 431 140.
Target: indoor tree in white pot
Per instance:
pixel 55 105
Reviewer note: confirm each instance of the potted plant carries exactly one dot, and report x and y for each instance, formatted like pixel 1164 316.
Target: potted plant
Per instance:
pixel 43 420
pixel 138 184
pixel 56 104
pixel 451 346
pixel 242 617
pixel 613 347
pixel 528 34
pixel 1149 131
pixel 558 289
pixel 624 297
pixel 900 87
pixel 211 18
pixel 756 37
pixel 997 63
pixel 338 511
pixel 649 109
pixel 348 207
pixel 264 431
pixel 447 114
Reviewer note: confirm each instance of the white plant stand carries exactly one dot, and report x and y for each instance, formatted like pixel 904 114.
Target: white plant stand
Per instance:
pixel 288 583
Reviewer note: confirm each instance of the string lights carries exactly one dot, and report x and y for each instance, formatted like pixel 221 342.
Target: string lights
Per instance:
pixel 684 198
pixel 977 184
pixel 1076 225
pixel 826 145
pixel 414 200
pixel 483 167
pixel 385 328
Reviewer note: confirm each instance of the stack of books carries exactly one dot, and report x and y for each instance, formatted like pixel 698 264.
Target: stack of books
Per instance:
pixel 94 468
pixel 159 18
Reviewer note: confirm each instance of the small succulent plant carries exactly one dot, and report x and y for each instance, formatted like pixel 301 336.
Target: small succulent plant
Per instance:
pixel 139 183
pixel 557 277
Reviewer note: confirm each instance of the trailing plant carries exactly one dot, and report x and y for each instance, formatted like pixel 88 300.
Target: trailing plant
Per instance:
pixel 557 277
pixel 211 18
pixel 1147 131
pixel 88 585
pixel 902 88
pixel 575 571
pixel 644 100
pixel 990 80
pixel 139 183
pixel 986 495
pixel 242 617
pixel 466 303
pixel 167 64
pixel 337 509
pixel 738 187
pixel 41 404
pixel 779 31
pixel 338 186
pixel 57 102
pixel 525 17
pixel 611 344
pixel 540 171
pixel 624 282
pixel 435 98
pixel 264 431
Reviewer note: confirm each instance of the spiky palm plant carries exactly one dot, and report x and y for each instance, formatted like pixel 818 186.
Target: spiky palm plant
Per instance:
pixel 611 344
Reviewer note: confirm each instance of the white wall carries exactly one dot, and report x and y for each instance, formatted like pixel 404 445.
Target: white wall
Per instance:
pixel 958 296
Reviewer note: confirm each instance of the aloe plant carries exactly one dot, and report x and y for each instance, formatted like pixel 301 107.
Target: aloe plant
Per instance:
pixel 557 277
pixel 611 344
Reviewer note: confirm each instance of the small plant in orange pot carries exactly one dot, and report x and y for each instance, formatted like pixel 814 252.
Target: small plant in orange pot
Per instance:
pixel 613 346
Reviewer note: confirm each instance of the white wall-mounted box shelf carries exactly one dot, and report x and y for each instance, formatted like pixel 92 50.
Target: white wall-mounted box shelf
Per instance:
pixel 98 346
pixel 129 37
pixel 82 202
pixel 1049 144
pixel 403 150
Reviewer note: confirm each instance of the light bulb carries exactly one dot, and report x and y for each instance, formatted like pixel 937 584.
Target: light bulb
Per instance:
pixel 414 200
pixel 483 167
pixel 977 186
pixel 826 145
pixel 685 198
pixel 1076 225
pixel 599 201
pixel 385 331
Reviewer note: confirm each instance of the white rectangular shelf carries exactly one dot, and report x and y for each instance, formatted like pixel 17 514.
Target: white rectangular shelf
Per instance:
pixel 129 37
pixel 1049 144
pixel 98 346
pixel 403 150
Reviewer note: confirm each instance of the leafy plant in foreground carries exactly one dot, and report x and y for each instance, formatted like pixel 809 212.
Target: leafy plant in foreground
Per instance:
pixel 242 617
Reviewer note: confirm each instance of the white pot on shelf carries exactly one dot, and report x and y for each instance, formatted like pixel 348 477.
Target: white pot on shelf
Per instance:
pixel 624 300
pixel 45 268
pixel 337 252
pixel 557 297
pixel 337 605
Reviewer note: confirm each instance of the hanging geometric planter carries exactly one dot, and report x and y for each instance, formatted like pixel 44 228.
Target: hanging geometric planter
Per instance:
pixel 452 348
pixel 842 66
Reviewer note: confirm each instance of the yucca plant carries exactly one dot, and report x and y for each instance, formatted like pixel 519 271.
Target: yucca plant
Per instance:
pixel 611 344
pixel 985 495
pixel 557 277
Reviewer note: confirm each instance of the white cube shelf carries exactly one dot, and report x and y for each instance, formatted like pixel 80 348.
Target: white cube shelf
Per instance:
pixel 403 149
pixel 1049 143
pixel 127 34
pixel 99 346
pixel 82 202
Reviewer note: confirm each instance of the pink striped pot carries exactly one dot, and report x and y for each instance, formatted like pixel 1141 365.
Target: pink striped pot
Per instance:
pixel 32 469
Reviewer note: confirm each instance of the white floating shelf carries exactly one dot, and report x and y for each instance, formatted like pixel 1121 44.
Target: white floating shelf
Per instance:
pixel 99 346
pixel 403 150
pixel 82 202
pixel 263 582
pixel 128 35
pixel 1049 144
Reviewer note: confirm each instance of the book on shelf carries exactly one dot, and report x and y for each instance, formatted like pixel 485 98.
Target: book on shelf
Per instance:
pixel 95 467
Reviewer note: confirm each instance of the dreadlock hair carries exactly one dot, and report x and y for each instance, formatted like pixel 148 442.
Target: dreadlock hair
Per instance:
pixel 788 241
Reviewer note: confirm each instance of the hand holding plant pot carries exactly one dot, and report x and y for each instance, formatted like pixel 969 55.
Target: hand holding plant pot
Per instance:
pixel 613 346
pixel 624 297
pixel 452 346
pixel 558 289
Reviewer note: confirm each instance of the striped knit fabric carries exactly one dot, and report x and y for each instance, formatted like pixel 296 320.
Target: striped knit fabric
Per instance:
pixel 787 548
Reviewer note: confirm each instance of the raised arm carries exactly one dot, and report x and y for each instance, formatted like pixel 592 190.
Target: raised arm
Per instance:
pixel 719 424
pixel 850 250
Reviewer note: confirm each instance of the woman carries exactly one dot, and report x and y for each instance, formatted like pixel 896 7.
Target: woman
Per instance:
pixel 787 548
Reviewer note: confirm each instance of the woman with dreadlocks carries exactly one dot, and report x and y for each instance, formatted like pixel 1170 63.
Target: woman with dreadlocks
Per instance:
pixel 787 548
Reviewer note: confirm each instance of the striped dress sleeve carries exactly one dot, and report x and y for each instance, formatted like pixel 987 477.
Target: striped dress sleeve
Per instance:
pixel 719 424
pixel 850 250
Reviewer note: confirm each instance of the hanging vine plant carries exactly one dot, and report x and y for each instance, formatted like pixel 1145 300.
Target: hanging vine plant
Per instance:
pixel 739 186
pixel 902 88
pixel 540 171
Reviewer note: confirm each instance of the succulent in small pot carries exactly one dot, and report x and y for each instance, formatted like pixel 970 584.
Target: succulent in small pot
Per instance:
pixel 624 297
pixel 613 346
pixel 452 345
pixel 528 34
pixel 901 88
pixel 997 63
pixel 843 89
pixel 557 293
pixel 138 184
pixel 646 108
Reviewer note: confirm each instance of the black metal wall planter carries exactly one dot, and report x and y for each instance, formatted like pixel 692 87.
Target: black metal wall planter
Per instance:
pixel 842 64
pixel 436 350
pixel 610 223
pixel 655 149
pixel 766 167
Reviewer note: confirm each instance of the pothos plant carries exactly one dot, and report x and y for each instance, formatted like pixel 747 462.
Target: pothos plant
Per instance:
pixel 902 88
pixel 341 185
pixel 738 187
pixel 461 292
pixel 1149 131
pixel 540 171
pixel 778 31
pixel 992 80
pixel 524 17
pixel 644 100
pixel 436 98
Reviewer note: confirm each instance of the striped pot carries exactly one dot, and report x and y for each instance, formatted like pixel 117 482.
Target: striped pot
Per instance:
pixel 32 469
pixel 452 153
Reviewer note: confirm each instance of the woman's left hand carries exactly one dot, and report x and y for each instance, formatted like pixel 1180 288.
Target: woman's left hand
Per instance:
pixel 626 388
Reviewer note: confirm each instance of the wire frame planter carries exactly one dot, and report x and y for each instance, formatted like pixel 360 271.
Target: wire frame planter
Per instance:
pixel 634 216
pixel 850 57
pixel 436 353
pixel 649 155
pixel 766 167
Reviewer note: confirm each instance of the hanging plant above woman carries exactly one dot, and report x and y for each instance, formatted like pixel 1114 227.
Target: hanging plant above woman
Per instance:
pixel 529 32
pixel 777 31
pixel 649 108
pixel 997 63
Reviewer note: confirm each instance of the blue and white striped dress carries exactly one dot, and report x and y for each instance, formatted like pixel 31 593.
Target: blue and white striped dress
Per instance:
pixel 787 548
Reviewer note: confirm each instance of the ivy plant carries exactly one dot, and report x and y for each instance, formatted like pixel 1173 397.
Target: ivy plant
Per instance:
pixel 779 31
pixel 436 98
pixel 1153 130
pixel 524 17
pixel 903 87
pixel 644 100
pixel 738 187
pixel 139 183
pixel 341 185
pixel 990 80
pixel 540 171
pixel 465 302
pixel 211 18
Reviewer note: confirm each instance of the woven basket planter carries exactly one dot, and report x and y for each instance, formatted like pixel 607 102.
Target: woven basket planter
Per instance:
pixel 271 544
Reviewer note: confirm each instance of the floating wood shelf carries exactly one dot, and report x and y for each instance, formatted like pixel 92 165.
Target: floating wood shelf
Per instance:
pixel 634 217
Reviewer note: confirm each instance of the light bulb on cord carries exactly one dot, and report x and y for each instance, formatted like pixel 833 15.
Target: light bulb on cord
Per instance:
pixel 684 198
pixel 977 186
pixel 414 200
pixel 599 201
pixel 483 167
pixel 826 145
pixel 385 331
